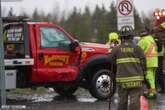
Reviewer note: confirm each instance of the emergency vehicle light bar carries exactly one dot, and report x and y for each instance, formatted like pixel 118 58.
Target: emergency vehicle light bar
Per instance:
pixel 159 13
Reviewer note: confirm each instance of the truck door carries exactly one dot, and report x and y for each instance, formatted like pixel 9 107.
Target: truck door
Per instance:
pixel 55 60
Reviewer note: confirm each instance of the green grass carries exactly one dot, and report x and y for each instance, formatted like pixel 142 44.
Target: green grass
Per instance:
pixel 38 90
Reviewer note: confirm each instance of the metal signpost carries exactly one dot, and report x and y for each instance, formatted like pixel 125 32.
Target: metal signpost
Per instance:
pixel 2 70
pixel 125 13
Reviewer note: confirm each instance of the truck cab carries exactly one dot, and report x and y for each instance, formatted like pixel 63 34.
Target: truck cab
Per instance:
pixel 44 54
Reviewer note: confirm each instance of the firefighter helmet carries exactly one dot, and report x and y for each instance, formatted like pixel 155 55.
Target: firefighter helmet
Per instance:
pixel 126 32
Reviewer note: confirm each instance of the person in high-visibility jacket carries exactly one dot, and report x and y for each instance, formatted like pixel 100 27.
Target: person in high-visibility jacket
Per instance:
pixel 113 40
pixel 147 43
pixel 130 66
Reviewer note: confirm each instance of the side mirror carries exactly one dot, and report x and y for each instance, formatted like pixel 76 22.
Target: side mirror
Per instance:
pixel 73 45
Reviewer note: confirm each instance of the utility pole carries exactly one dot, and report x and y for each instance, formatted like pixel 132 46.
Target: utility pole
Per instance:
pixel 2 70
pixel 2 67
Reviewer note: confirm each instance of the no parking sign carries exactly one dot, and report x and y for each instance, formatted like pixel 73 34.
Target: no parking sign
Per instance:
pixel 125 16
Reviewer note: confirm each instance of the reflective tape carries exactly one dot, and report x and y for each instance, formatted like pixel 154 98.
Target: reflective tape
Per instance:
pixel 128 60
pixel 163 25
pixel 151 51
pixel 127 79
pixel 131 84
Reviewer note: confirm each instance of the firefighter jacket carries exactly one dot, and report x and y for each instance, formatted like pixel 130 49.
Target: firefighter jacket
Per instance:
pixel 130 64
pixel 149 47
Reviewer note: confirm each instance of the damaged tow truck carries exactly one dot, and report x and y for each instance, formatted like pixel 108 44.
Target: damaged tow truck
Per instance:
pixel 44 54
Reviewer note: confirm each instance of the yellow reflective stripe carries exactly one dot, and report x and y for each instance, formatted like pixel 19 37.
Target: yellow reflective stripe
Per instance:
pixel 127 79
pixel 128 60
pixel 153 55
pixel 131 84
pixel 163 25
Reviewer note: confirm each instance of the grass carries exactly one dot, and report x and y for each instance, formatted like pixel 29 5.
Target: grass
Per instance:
pixel 38 90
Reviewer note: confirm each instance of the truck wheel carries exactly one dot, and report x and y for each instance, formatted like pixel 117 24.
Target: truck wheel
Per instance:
pixel 65 90
pixel 102 86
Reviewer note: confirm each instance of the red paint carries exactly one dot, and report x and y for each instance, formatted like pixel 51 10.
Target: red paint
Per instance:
pixel 43 72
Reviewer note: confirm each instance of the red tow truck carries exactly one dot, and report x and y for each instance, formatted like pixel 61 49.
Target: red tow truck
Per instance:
pixel 44 54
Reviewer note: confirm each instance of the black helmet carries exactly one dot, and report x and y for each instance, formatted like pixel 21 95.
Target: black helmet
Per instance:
pixel 126 32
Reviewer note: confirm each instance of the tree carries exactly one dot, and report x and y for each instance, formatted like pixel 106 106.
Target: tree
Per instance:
pixel 85 23
pixel 99 24
pixel 55 12
pixel 112 18
pixel 138 22
pixel 72 24
pixel 11 12
pixel 111 21
pixel 95 22
pixel 35 15
pixel 147 21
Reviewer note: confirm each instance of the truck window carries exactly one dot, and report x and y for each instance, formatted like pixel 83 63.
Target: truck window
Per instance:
pixel 13 41
pixel 53 38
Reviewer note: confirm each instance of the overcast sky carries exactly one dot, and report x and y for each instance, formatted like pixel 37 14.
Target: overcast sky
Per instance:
pixel 67 5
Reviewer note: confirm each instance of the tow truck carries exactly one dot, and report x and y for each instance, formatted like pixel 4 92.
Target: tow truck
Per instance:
pixel 44 54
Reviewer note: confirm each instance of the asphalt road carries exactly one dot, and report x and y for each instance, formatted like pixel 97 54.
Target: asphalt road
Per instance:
pixel 81 100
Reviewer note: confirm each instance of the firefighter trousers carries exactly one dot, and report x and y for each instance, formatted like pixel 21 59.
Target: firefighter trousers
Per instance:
pixel 129 99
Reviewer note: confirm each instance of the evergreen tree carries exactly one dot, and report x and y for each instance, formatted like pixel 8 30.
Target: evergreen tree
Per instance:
pixel 95 20
pixel 63 19
pixel 138 22
pixel 85 31
pixel 147 21
pixel 72 25
pixel 99 24
pixel 35 15
pixel 48 17
pixel 24 14
pixel 95 27
pixel 112 18
pixel 11 12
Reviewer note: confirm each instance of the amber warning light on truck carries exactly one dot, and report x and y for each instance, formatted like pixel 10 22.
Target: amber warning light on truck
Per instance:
pixel 159 13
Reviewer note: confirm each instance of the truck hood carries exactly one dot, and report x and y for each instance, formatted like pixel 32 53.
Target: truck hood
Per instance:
pixel 94 47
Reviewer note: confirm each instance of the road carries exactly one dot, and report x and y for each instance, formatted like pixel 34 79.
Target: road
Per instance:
pixel 81 100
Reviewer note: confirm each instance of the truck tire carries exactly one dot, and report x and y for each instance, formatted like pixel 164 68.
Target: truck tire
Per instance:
pixel 102 84
pixel 65 90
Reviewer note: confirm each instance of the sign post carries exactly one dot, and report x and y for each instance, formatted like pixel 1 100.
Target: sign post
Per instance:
pixel 2 71
pixel 2 68
pixel 125 13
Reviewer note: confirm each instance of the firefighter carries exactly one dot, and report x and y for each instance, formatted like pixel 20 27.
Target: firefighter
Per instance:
pixel 113 40
pixel 159 34
pixel 130 64
pixel 147 43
